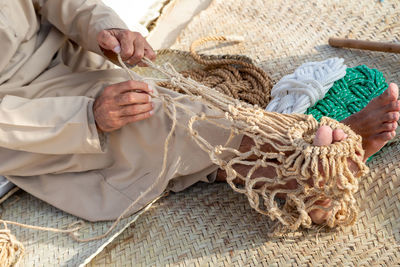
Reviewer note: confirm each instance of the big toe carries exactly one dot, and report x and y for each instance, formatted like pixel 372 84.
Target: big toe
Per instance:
pixel 390 94
pixel 323 136
pixel 319 216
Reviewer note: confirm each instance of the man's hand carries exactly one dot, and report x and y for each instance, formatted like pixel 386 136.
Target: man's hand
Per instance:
pixel 131 45
pixel 122 103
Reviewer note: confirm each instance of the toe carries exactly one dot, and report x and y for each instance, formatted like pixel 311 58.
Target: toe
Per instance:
pixel 338 135
pixel 391 116
pixel 392 106
pixel 393 91
pixel 385 136
pixel 390 94
pixel 323 136
pixel 389 126
pixel 319 216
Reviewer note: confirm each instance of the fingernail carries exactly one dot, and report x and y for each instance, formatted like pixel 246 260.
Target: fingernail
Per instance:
pixel 149 98
pixel 151 112
pixel 151 89
pixel 153 105
pixel 117 49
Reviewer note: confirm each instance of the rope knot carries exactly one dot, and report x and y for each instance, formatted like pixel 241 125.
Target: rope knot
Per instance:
pixel 218 150
pixel 175 81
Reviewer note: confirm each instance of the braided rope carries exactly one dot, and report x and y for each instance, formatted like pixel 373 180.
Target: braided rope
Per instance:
pixel 296 92
pixel 350 94
pixel 236 78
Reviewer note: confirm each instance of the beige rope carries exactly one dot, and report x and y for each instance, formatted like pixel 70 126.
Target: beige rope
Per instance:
pixel 295 156
pixel 233 77
pixel 10 193
pixel 11 250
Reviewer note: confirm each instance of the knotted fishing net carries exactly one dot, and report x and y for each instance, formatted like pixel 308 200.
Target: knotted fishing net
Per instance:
pixel 281 142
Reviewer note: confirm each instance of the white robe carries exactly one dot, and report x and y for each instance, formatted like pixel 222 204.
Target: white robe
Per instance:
pixel 49 145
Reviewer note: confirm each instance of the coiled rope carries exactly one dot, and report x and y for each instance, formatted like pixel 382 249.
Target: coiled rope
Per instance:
pixel 296 92
pixel 236 78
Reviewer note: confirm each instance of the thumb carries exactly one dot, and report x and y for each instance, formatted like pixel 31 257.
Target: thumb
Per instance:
pixel 108 41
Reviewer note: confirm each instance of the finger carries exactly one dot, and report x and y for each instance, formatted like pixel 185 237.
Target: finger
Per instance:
pixel 122 87
pixel 149 52
pixel 135 118
pixel 137 109
pixel 141 64
pixel 126 39
pixel 138 53
pixel 130 98
pixel 108 41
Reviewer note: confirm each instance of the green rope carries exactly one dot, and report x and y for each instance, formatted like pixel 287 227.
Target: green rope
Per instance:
pixel 350 94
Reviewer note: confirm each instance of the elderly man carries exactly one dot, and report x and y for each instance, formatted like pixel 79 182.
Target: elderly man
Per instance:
pixel 66 131
pixel 76 134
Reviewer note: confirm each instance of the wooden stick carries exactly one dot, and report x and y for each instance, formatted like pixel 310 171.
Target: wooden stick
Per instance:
pixel 365 45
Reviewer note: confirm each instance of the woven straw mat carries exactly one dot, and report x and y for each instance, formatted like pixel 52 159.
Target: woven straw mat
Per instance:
pixel 54 249
pixel 210 224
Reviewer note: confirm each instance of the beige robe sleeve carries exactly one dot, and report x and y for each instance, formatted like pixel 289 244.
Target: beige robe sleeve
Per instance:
pixel 57 125
pixel 80 20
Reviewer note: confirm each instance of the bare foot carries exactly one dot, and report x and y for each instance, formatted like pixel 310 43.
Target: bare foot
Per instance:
pixel 377 122
pixel 325 136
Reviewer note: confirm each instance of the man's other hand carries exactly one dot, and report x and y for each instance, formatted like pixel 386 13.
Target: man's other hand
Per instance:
pixel 122 103
pixel 131 45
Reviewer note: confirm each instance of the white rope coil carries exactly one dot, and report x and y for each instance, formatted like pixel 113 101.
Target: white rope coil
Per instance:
pixel 309 83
